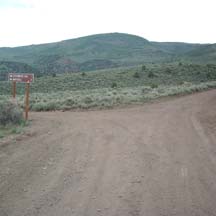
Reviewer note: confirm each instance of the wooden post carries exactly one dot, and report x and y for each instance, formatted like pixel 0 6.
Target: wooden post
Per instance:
pixel 27 100
pixel 14 89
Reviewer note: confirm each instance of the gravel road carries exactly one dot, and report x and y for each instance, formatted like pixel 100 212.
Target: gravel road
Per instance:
pixel 158 159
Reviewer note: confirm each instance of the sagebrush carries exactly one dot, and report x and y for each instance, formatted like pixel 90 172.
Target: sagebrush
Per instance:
pixel 10 113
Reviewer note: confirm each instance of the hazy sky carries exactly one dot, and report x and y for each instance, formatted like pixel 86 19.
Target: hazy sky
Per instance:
pixel 24 22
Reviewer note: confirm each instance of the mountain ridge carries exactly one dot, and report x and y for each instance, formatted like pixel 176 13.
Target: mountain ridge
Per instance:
pixel 105 51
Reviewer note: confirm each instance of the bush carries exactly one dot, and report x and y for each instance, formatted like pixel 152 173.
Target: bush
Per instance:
pixel 10 113
pixel 143 67
pixel 168 70
pixel 153 85
pixel 208 75
pixel 114 85
pixel 69 101
pixel 145 89
pixel 46 106
pixel 136 75
pixel 88 100
pixel 181 83
pixel 151 74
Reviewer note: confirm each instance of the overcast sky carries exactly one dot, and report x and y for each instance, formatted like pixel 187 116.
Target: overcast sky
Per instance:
pixel 24 22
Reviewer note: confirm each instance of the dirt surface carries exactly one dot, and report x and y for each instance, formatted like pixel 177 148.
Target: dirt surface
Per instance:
pixel 153 160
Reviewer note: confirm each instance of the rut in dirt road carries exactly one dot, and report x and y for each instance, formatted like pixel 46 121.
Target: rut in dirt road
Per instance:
pixel 155 159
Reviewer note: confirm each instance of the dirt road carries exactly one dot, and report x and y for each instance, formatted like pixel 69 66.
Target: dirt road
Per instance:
pixel 153 160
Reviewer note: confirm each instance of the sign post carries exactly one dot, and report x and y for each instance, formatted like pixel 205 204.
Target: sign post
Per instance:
pixel 27 100
pixel 22 78
pixel 14 89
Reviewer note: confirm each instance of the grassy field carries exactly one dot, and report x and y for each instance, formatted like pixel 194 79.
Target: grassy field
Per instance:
pixel 108 88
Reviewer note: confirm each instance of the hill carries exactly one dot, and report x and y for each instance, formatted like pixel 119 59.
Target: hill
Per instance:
pixel 104 51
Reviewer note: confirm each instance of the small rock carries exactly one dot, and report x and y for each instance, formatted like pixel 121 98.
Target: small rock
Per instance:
pixel 136 182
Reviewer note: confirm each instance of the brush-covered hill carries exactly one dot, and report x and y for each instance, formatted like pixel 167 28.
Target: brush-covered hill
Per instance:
pixel 86 53
pixel 103 51
pixel 203 54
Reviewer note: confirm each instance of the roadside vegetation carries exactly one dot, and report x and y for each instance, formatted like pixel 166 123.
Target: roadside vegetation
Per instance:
pixel 11 118
pixel 112 87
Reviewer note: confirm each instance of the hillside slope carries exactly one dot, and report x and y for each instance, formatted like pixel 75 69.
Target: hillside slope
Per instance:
pixel 87 53
pixel 205 53
pixel 104 51
pixel 177 48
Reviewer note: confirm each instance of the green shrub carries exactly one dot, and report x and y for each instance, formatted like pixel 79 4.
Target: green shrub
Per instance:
pixel 16 130
pixel 168 70
pixel 10 113
pixel 46 106
pixel 88 100
pixel 136 75
pixel 143 67
pixel 208 75
pixel 151 74
pixel 1 134
pixel 145 89
pixel 153 85
pixel 181 82
pixel 114 85
pixel 69 101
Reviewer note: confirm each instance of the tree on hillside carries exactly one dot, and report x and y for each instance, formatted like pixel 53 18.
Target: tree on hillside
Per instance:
pixel 136 75
pixel 3 72
pixel 151 74
pixel 143 67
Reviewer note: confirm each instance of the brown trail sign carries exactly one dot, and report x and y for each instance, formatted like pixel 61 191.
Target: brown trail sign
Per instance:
pixel 22 78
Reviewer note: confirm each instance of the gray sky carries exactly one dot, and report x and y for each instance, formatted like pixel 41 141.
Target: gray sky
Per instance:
pixel 25 22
